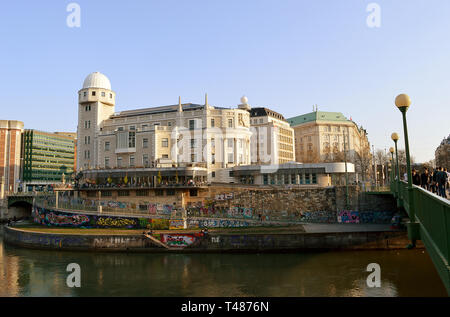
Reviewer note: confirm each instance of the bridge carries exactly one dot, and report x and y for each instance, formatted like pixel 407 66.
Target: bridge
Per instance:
pixel 429 221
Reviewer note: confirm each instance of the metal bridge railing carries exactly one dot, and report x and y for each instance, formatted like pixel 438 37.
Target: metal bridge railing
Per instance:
pixel 432 212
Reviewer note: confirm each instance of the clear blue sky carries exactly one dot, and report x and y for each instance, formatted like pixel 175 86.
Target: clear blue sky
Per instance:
pixel 287 55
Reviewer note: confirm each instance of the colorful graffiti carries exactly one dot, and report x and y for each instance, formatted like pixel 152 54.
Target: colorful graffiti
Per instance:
pixel 75 220
pixel 216 223
pixel 116 222
pixel 47 217
pixel 178 240
pixel 346 216
pixel 176 224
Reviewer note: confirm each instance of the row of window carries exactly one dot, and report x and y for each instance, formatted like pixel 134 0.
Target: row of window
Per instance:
pixel 94 93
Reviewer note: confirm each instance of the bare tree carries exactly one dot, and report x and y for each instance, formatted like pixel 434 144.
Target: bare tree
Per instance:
pixel 363 161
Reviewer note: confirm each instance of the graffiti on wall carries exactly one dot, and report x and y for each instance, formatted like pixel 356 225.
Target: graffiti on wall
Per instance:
pixel 116 222
pixel 216 223
pixel 318 216
pixel 178 240
pixel 347 216
pixel 176 224
pixel 57 218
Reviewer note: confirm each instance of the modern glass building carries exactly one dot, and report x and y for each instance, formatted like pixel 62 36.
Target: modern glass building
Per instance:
pixel 46 156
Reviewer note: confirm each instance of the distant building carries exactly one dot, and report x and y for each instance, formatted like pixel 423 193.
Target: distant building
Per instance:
pixel 272 137
pixel 442 153
pixel 330 137
pixel 46 157
pixel 10 131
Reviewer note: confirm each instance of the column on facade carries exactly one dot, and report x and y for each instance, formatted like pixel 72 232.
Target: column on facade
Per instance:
pixel 235 151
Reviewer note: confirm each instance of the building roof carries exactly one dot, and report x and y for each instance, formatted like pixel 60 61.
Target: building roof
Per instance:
pixel 317 116
pixel 97 80
pixel 263 112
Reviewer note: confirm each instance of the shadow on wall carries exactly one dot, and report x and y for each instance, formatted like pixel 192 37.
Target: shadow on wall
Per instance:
pixel 19 210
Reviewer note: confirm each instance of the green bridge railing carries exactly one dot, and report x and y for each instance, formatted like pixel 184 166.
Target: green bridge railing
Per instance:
pixel 432 213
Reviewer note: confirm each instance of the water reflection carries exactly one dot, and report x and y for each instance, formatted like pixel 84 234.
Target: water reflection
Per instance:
pixel 43 273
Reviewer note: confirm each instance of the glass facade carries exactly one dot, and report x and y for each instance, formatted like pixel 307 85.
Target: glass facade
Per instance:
pixel 46 156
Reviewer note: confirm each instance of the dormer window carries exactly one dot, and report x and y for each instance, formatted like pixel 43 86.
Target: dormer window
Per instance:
pixel 93 93
pixel 103 94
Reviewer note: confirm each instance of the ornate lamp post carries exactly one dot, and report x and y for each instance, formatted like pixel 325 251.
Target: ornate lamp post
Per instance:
pixel 391 150
pixel 403 102
pixel 395 138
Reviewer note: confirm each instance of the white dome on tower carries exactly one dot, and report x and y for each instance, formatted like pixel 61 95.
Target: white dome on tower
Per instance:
pixel 244 100
pixel 97 80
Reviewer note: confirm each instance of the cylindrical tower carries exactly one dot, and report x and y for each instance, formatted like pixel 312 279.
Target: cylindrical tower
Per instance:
pixel 96 103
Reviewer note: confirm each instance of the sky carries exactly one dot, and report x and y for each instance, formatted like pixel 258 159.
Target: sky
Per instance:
pixel 287 55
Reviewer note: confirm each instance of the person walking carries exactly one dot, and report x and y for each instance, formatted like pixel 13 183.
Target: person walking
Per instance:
pixel 441 180
pixel 425 179
pixel 433 181
pixel 415 178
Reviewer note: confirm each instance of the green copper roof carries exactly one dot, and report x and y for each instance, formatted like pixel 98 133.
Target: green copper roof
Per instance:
pixel 316 116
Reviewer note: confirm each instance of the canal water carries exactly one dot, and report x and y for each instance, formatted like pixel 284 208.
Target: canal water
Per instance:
pixel 25 272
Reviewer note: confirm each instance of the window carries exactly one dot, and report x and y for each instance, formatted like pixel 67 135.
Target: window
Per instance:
pixel 213 143
pixel 230 123
pixel 314 179
pixel 193 192
pixel 193 158
pixel 213 174
pixel 159 192
pixel 120 129
pixel 106 161
pixel 131 160
pixel 103 94
pixel 213 158
pixel 110 95
pixel 106 193
pixel 145 143
pixel 265 179
pixel 145 161
pixel 260 120
pixel 93 93
pixel 191 124
pixel 169 123
pixel 230 157
pixel 89 124
pixel 165 156
pixel 119 161
pixel 212 123
pixel 132 128
pixel 192 143
pixel 231 173
pixel 131 139
pixel 142 192
pixel 123 193
pixel 165 143
pixel 84 94
pixel 230 143
pixel 107 144
pixel 170 192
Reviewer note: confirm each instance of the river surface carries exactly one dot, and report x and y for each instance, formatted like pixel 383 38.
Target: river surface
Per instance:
pixel 25 272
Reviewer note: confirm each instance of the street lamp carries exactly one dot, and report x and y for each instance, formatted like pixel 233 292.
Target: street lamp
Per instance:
pixel 403 102
pixel 395 138
pixel 391 149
